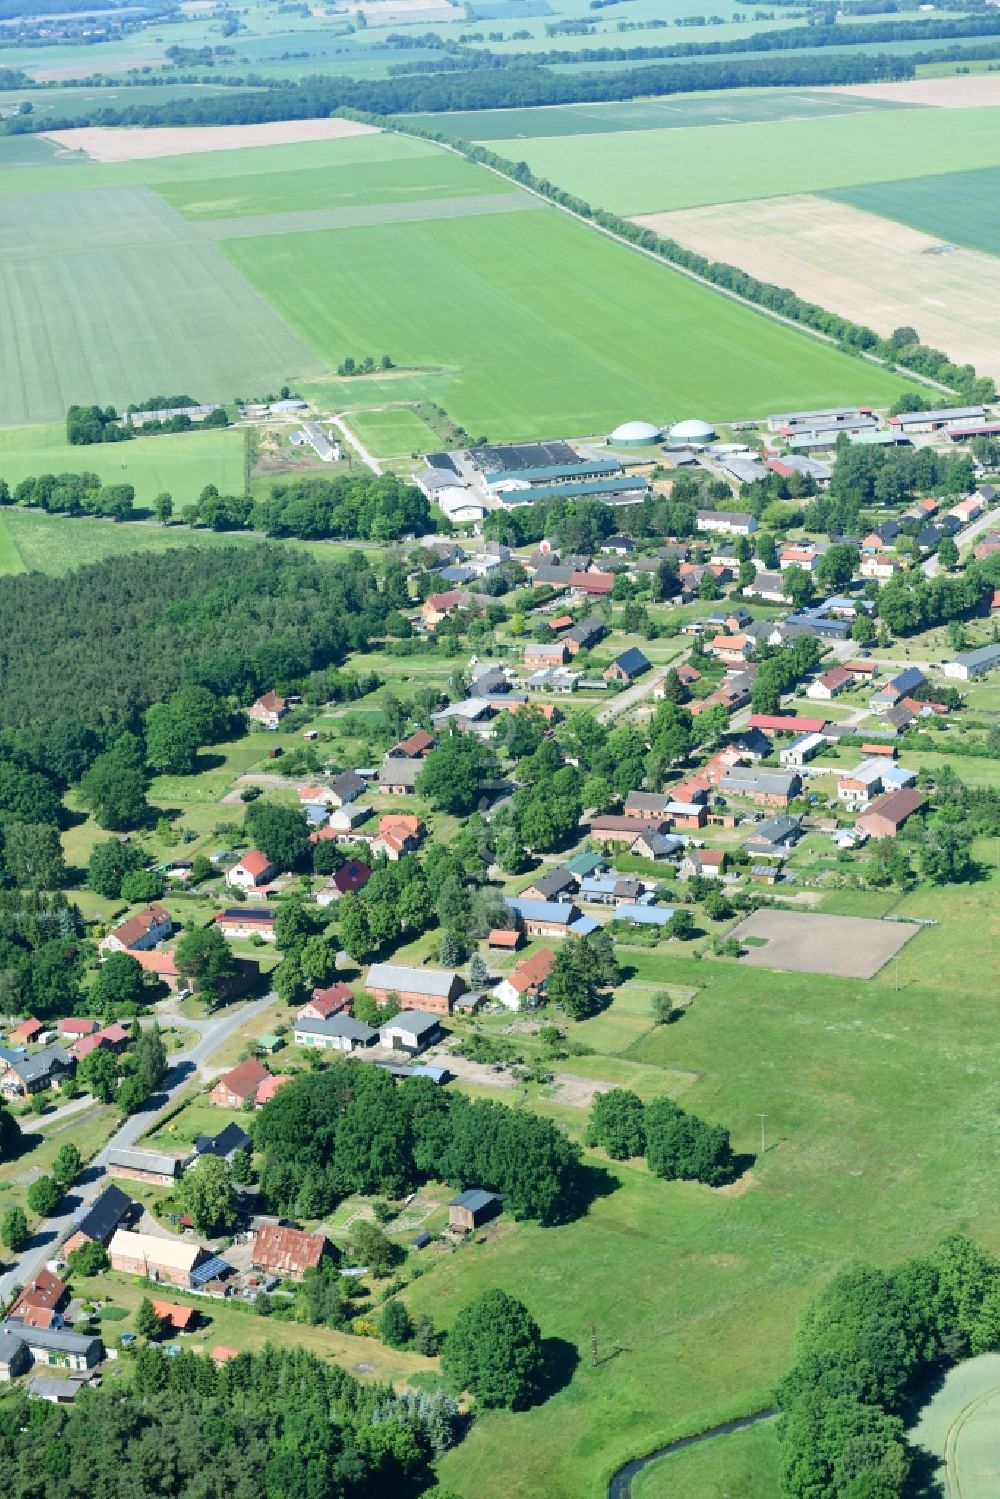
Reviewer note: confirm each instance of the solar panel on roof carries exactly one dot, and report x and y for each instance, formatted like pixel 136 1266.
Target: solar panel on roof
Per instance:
pixel 513 458
pixel 212 1269
pixel 441 460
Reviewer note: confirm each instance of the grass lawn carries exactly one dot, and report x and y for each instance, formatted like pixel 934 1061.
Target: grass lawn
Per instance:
pixel 181 463
pixel 506 307
pixel 88 1131
pixel 640 172
pixel 879 1107
pixel 744 1465
pixel 366 1358
pixel 394 431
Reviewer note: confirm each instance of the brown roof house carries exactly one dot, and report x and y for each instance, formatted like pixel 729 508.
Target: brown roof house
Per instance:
pixel 140 932
pixel 233 1090
pixel 885 817
pixel 287 1252
pixel 269 710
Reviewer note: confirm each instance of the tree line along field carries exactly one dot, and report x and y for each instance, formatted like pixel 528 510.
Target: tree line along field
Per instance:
pixel 633 172
pixel 957 207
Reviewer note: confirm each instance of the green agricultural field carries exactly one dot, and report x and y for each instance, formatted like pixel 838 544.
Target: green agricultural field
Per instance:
pixel 393 433
pixel 181 463
pixel 744 1465
pixel 737 106
pixel 542 326
pixel 640 172
pixel 129 302
pixel 878 1111
pixel 368 176
pixel 958 207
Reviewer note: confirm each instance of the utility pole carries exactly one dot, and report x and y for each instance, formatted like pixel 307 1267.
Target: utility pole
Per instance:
pixel 762 1117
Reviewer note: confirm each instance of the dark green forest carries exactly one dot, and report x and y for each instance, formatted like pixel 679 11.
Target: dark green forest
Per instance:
pixel 279 1424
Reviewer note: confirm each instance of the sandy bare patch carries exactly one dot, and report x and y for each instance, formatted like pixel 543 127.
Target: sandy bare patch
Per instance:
pixel 853 947
pixel 102 144
pixel 865 267
pixel 968 92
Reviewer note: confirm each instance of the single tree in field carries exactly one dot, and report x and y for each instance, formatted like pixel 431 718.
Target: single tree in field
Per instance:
pixel 14 1229
pixel 494 1350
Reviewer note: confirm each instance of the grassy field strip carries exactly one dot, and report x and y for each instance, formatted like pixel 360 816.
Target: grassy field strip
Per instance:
pixel 11 560
pixel 750 106
pixel 884 274
pixel 180 464
pixel 957 207
pixel 310 220
pixel 639 172
pixel 536 279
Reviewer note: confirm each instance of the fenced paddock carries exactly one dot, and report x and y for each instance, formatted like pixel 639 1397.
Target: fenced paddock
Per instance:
pixel 851 947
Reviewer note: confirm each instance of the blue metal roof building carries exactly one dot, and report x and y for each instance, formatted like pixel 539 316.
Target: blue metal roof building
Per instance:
pixel 595 489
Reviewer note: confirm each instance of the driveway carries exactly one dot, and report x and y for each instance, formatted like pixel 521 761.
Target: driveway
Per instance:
pixel 215 1032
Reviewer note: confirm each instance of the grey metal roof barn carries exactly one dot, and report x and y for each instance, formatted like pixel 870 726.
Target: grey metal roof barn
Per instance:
pixel 395 976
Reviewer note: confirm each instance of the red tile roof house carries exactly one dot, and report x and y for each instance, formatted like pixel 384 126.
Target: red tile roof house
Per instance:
pixel 831 683
pixel 440 605
pixel 76 1026
pixel 269 1088
pixel 503 939
pixel 25 1031
pixel 112 1038
pixel 398 834
pixel 709 863
pixel 139 932
pixel 327 1002
pixel 419 744
pixel 176 1318
pixel 731 649
pixel 268 710
pixel 234 1088
pixel 594 584
pixel 45 1294
pixel 885 817
pixel 252 871
pixel 525 982
pixel 163 966
pixel 287 1252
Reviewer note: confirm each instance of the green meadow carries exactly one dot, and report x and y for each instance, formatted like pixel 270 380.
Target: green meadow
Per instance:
pixel 181 463
pixel 957 207
pixel 879 1105
pixel 394 432
pixel 542 326
pixel 642 172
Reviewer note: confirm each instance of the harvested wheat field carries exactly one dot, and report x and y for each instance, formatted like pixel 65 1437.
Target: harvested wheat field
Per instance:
pixel 865 267
pixel 972 91
pixel 103 144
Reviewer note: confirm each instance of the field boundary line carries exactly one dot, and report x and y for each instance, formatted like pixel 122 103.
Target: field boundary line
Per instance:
pixel 775 317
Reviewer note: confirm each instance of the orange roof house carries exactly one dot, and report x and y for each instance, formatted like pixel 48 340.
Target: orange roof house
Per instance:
pixel 176 1318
